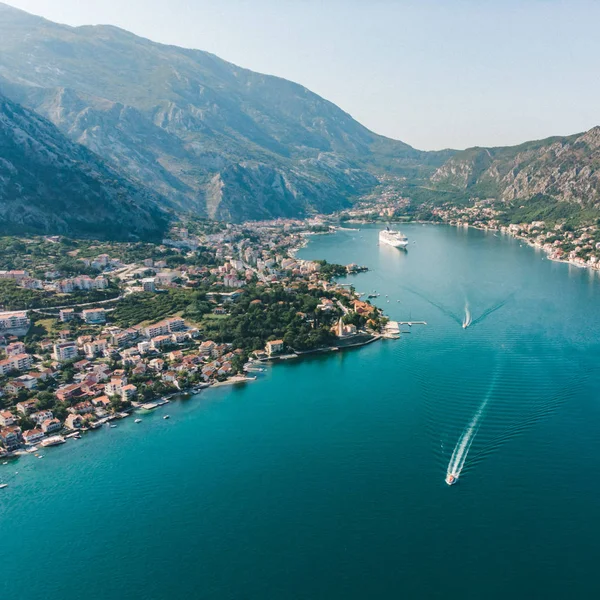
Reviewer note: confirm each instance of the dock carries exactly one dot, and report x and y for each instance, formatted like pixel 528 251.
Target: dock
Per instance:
pixel 411 323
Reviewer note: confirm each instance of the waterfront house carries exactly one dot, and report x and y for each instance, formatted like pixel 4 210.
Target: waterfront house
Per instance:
pixel 51 426
pixel 274 347
pixel 101 402
pixel 74 421
pixel 128 392
pixel 41 416
pixel 11 437
pixel 33 436
pixel 82 408
pixel 170 376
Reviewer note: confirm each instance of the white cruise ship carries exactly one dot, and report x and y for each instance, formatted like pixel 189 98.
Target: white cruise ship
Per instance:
pixel 393 238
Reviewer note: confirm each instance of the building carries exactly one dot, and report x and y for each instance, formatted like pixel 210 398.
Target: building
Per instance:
pixel 15 348
pixel 41 416
pixel 82 408
pixel 128 392
pixel 51 426
pixel 94 316
pixel 74 421
pixel 14 322
pixel 11 437
pixel 274 347
pixel 33 436
pixel 148 284
pixel 92 349
pixel 7 418
pixel 66 315
pixel 65 351
pixel 26 407
pixel 19 362
pixel 160 341
pixel 342 330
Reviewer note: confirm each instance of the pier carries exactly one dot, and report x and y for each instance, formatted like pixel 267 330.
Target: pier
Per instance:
pixel 411 323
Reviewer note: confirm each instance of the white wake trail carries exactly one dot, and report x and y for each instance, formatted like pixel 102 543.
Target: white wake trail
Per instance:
pixel 467 320
pixel 461 450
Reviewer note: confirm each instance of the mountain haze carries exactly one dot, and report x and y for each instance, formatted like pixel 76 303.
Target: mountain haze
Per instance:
pixel 209 136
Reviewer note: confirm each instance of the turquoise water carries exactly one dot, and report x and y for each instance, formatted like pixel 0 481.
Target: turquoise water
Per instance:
pixel 325 479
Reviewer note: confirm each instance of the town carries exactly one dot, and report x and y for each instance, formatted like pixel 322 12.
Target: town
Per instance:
pixel 208 306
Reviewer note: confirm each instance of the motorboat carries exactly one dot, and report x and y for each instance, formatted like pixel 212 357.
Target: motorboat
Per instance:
pixel 138 421
pixel 451 478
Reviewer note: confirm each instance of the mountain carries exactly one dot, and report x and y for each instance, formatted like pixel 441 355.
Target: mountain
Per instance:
pixel 552 173
pixel 48 184
pixel 207 135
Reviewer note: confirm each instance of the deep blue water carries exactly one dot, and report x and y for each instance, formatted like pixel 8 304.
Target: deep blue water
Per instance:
pixel 325 479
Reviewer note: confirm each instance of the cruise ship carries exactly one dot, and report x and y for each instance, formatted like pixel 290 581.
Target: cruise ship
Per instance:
pixel 393 238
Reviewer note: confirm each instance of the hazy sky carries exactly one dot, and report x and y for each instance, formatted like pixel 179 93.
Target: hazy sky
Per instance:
pixel 433 73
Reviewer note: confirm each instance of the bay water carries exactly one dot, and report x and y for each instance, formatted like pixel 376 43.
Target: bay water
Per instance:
pixel 325 477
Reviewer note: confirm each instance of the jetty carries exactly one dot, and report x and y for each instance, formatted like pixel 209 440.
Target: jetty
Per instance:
pixel 411 323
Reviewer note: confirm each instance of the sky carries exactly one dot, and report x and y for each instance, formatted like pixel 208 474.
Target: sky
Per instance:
pixel 432 73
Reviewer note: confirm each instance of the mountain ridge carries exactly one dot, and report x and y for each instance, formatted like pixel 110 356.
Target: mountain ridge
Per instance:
pixel 49 184
pixel 174 119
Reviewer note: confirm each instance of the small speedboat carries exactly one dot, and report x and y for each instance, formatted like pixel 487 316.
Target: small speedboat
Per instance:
pixel 3 485
pixel 113 426
pixel 166 417
pixel 138 421
pixel 451 479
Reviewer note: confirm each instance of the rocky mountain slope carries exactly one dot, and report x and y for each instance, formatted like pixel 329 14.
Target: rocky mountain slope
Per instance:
pixel 207 135
pixel 49 184
pixel 558 169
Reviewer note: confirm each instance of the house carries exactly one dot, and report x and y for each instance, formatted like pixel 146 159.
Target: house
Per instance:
pixel 14 387
pixel 29 381
pixel 82 408
pixel 74 421
pixel 65 351
pixel 206 348
pixel 66 392
pixel 160 341
pixel 17 362
pixel 93 348
pixel 94 316
pixel 158 364
pixel 274 347
pixel 128 392
pixel 11 437
pixel 7 418
pixel 179 337
pixel 32 436
pixel 101 402
pixel 15 348
pixel 41 416
pixel 66 315
pixel 26 407
pixel 51 426
pixel 81 365
pixel 115 386
pixel 170 376
pixel 175 356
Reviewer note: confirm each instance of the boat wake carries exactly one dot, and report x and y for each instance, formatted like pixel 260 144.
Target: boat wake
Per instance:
pixel 492 309
pixel 467 320
pixel 461 450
